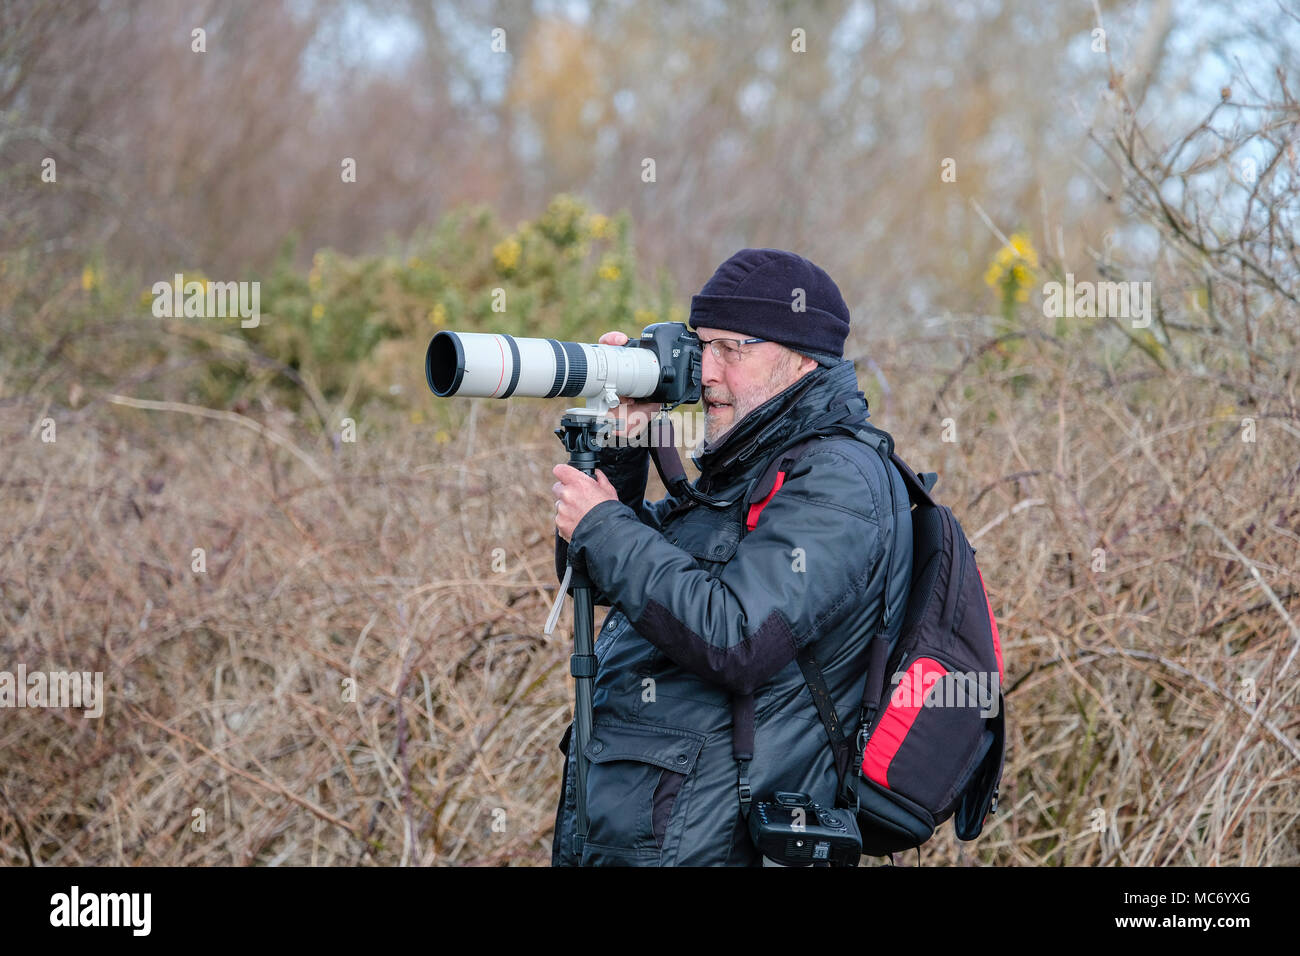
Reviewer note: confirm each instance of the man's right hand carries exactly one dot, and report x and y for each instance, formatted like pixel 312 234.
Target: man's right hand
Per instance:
pixel 633 416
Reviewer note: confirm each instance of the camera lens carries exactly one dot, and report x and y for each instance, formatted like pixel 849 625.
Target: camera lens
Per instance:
pixel 444 365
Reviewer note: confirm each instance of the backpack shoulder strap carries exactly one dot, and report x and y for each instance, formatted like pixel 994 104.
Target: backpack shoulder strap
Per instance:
pixel 773 476
pixel 919 484
pixel 842 417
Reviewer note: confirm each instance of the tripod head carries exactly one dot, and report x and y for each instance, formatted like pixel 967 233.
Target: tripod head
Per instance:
pixel 584 432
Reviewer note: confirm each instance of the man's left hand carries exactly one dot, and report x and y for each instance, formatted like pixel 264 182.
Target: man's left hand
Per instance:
pixel 575 495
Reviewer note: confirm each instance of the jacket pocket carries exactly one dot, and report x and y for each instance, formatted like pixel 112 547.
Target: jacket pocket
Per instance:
pixel 638 782
pixel 711 538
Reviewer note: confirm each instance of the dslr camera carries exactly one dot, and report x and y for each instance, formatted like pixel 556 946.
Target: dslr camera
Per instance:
pixel 794 831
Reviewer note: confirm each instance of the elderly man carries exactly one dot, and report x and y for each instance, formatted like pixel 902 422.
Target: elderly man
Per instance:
pixel 716 616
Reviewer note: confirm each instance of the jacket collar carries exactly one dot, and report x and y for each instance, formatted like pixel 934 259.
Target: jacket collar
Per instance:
pixel 779 418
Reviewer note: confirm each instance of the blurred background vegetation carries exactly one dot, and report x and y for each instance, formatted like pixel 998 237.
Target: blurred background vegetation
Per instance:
pixel 942 161
pixel 226 163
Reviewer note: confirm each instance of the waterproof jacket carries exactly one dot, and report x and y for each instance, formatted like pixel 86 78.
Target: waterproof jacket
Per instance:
pixel 702 611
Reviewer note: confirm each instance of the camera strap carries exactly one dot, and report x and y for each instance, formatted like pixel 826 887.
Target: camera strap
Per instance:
pixel 663 452
pixel 742 746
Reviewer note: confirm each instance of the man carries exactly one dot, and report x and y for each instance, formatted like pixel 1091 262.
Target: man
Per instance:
pixel 704 616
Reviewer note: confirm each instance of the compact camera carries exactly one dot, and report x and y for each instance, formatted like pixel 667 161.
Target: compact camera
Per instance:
pixel 794 831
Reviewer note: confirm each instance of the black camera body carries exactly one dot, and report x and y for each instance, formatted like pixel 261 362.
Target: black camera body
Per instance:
pixel 681 362
pixel 794 831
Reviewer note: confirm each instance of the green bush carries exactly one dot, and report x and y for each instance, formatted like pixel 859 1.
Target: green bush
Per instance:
pixel 350 330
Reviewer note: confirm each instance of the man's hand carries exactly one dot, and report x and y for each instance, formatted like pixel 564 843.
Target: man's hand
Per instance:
pixel 575 495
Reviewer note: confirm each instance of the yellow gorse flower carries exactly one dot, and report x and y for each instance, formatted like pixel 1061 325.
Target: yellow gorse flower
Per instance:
pixel 506 253
pixel 89 278
pixel 438 315
pixel 609 269
pixel 1012 268
pixel 1020 243
pixel 318 311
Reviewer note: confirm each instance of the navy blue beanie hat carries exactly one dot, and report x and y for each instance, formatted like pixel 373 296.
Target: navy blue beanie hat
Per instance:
pixel 755 293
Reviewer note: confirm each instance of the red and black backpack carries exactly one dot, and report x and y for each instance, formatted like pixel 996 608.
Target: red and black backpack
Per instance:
pixel 923 749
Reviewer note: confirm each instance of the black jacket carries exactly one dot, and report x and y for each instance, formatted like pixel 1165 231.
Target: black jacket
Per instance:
pixel 699 614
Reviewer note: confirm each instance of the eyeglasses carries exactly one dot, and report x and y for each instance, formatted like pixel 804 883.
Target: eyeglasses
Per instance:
pixel 729 350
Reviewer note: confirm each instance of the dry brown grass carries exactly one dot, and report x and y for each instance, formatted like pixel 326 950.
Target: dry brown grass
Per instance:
pixel 374 561
pixel 225 688
pixel 1135 737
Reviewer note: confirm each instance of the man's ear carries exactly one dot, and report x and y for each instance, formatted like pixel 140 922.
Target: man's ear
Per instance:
pixel 797 365
pixel 802 364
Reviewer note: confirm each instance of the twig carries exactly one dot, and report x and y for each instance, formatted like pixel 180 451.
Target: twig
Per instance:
pixel 252 778
pixel 223 416
pixel 22 830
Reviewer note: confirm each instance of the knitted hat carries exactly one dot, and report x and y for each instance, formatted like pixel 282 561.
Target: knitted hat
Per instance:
pixel 757 293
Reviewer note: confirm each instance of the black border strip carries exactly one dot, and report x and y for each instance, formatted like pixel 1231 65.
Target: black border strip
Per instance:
pixel 577 377
pixel 561 369
pixel 514 371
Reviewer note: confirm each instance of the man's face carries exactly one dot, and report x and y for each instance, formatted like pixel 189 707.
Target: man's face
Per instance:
pixel 730 392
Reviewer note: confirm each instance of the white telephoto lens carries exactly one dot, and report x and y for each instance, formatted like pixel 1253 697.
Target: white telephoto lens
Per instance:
pixel 494 365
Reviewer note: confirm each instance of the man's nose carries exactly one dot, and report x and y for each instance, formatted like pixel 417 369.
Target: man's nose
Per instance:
pixel 711 372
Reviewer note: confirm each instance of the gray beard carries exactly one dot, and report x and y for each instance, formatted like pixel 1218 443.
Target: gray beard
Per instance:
pixel 713 436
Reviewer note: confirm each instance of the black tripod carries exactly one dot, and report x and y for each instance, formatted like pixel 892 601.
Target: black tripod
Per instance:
pixel 582 430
